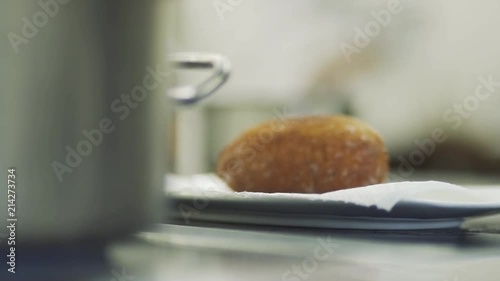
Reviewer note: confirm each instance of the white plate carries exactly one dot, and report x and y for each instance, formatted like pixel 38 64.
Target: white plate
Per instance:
pixel 380 207
pixel 406 215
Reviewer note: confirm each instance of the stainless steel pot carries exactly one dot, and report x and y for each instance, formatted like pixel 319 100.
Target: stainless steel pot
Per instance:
pixel 83 112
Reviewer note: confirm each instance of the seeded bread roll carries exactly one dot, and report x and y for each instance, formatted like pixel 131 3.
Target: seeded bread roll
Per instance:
pixel 313 154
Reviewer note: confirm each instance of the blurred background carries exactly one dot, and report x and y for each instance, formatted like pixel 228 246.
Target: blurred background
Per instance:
pixel 425 74
pixel 422 73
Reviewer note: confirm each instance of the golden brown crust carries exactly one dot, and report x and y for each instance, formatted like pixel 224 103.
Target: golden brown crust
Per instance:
pixel 313 154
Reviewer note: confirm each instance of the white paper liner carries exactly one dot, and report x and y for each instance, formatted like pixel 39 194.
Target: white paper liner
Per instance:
pixel 383 196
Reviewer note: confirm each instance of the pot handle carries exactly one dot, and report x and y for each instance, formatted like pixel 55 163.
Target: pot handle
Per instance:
pixel 191 94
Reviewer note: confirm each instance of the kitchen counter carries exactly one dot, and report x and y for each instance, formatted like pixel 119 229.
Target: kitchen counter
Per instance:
pixel 240 252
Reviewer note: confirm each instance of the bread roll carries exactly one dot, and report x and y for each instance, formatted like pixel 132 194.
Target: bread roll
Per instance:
pixel 313 154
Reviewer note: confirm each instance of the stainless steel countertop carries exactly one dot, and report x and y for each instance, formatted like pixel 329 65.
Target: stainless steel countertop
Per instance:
pixel 238 252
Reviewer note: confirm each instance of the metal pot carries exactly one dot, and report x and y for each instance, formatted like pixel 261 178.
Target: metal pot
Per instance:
pixel 84 110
